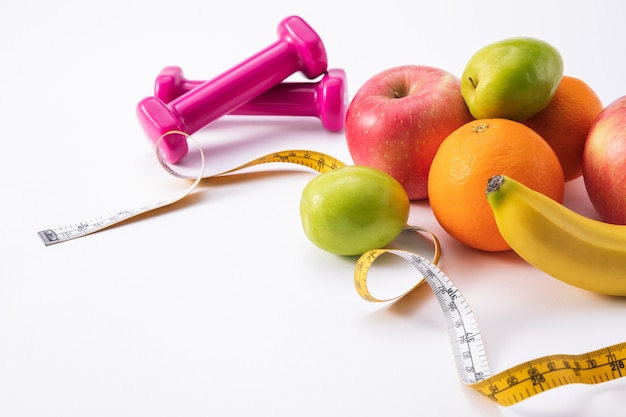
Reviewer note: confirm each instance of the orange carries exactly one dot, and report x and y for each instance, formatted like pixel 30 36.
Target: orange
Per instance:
pixel 565 122
pixel 465 161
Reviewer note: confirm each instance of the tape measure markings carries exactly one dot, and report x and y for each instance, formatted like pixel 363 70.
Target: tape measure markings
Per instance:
pixel 514 384
pixel 317 161
pixel 543 374
pixel 62 234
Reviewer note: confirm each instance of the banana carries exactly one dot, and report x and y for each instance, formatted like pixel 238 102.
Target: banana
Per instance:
pixel 577 250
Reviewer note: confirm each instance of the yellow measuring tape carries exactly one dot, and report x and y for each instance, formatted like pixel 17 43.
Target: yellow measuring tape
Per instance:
pixel 506 388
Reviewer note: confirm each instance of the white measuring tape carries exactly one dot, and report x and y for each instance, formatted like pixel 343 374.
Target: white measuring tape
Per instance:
pixel 467 345
pixel 75 230
pixel 506 388
pixel 315 160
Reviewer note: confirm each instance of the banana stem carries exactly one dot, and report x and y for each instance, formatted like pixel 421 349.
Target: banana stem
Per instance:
pixel 494 183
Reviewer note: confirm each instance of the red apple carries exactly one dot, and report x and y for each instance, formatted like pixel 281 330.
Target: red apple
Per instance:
pixel 604 163
pixel 399 117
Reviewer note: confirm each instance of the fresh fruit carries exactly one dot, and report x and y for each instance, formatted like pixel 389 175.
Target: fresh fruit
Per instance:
pixel 468 158
pixel 399 117
pixel 353 209
pixel 577 250
pixel 604 163
pixel 513 78
pixel 565 122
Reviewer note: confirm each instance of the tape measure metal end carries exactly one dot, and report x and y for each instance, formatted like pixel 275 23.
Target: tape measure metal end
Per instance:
pixel 49 237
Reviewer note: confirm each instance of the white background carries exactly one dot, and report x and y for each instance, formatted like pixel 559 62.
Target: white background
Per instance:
pixel 220 305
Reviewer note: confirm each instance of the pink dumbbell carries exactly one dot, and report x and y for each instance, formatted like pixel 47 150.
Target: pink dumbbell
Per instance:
pixel 325 99
pixel 298 48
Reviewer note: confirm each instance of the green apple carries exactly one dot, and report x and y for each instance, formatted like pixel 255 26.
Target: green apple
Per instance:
pixel 514 78
pixel 353 209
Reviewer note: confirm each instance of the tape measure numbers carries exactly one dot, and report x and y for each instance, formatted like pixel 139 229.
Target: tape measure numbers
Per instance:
pixel 506 388
pixel 539 375
pixel 317 161
pixel 515 384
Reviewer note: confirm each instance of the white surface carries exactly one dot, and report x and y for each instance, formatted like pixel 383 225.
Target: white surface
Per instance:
pixel 220 305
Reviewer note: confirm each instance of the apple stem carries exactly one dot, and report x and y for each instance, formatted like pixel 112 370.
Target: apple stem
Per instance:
pixel 472 81
pixel 396 93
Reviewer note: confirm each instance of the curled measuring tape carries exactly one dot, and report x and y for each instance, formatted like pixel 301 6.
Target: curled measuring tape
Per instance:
pixel 515 384
pixel 506 388
pixel 317 161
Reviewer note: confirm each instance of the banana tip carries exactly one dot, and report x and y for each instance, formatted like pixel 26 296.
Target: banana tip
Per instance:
pixel 494 183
